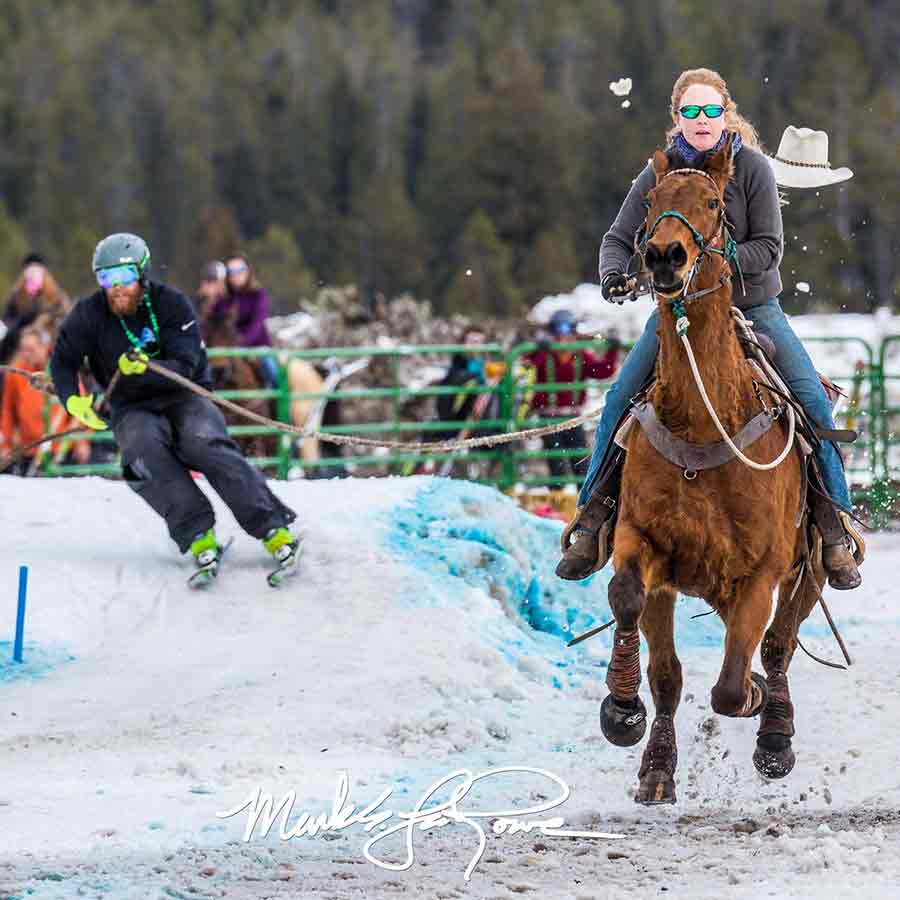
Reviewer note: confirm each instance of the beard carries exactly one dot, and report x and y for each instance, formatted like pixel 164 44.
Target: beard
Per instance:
pixel 123 306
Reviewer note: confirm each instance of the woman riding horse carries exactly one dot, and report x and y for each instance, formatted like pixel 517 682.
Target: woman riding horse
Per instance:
pixel 704 117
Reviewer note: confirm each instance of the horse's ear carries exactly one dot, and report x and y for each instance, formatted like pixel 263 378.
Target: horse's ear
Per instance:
pixel 660 163
pixel 720 165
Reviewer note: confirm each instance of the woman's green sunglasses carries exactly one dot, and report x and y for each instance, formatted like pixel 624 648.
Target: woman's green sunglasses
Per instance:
pixel 711 110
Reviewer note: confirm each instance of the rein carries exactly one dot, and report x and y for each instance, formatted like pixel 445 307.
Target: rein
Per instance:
pixel 591 415
pixel 677 303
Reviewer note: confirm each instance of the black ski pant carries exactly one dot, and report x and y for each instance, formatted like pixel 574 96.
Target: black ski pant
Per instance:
pixel 159 448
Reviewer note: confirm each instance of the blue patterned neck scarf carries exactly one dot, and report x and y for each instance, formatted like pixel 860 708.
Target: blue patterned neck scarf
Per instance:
pixel 696 159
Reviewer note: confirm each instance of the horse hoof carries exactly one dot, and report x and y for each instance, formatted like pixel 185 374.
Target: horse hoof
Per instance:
pixel 760 687
pixel 623 724
pixel 656 788
pixel 773 756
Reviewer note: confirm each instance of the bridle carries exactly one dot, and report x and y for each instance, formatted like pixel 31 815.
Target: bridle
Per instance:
pixel 728 252
pixel 707 247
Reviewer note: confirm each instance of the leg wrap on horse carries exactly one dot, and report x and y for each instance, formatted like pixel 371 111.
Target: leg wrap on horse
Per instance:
pixel 623 677
pixel 774 756
pixel 778 715
pixel 660 754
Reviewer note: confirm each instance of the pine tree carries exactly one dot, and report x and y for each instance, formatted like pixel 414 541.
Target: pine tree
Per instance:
pixel 483 284
pixel 282 270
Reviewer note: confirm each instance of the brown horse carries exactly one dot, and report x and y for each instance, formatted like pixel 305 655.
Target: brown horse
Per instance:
pixel 236 373
pixel 730 535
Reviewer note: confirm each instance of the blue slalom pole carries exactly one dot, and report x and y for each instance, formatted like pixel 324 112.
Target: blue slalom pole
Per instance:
pixel 20 615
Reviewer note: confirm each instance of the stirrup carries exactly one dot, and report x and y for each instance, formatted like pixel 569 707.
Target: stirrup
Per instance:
pixel 565 537
pixel 604 538
pixel 858 544
pixel 567 531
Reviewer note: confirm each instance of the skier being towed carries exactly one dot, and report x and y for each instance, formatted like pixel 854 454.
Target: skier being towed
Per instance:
pixel 163 430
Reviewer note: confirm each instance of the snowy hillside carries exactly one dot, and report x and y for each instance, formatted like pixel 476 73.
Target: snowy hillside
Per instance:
pixel 426 634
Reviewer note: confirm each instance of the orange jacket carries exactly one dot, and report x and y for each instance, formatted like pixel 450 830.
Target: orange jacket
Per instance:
pixel 22 413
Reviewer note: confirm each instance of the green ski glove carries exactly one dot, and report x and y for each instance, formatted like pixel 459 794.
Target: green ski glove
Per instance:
pixel 129 366
pixel 82 408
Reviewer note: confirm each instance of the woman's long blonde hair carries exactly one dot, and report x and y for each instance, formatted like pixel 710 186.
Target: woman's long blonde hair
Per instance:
pixel 734 121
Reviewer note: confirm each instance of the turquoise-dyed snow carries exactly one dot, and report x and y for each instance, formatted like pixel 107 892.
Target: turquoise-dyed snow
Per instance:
pixel 461 533
pixel 37 661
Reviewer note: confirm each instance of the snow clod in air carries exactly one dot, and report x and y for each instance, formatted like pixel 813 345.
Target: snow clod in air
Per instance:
pixel 621 88
pixel 468 271
pixel 626 104
pixel 803 286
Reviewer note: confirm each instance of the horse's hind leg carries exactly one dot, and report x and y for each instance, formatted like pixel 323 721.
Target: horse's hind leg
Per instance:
pixel 623 717
pixel 664 674
pixel 774 756
pixel 736 693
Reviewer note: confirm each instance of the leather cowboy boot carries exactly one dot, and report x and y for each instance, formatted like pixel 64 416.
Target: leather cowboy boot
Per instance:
pixel 587 540
pixel 843 573
pixel 838 558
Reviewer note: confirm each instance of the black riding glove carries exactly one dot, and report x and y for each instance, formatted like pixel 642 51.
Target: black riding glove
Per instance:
pixel 613 286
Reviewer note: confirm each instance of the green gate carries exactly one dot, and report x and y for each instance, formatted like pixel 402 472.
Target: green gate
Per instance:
pixel 395 411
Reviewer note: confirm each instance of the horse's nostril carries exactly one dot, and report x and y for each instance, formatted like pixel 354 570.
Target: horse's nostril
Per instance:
pixel 676 254
pixel 653 256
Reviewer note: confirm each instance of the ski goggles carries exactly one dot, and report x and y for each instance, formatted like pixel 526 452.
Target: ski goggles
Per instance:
pixel 710 110
pixel 117 275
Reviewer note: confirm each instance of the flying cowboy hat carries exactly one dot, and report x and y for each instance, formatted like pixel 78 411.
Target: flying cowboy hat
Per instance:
pixel 802 160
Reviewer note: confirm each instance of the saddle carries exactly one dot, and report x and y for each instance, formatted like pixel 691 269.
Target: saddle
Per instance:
pixel 815 508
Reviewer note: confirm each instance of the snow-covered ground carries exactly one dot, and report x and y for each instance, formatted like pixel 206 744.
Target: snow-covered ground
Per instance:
pixel 426 634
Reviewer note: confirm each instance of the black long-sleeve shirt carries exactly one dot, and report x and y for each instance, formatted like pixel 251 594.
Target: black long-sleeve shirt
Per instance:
pixel 91 331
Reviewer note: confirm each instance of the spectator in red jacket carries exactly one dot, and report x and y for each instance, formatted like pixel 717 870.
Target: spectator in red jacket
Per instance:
pixel 564 366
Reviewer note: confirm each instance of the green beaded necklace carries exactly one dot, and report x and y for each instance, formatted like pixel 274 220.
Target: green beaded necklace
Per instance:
pixel 154 324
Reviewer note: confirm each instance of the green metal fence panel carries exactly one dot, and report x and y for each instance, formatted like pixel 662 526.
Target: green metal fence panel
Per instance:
pixel 886 490
pixel 390 413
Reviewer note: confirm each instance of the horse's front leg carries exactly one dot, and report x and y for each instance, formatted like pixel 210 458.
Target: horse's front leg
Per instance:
pixel 774 755
pixel 623 716
pixel 664 674
pixel 738 692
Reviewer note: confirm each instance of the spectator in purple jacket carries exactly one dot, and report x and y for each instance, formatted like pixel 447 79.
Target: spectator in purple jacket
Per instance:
pixel 247 303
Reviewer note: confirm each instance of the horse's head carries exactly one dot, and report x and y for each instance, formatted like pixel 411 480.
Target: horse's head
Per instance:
pixel 685 218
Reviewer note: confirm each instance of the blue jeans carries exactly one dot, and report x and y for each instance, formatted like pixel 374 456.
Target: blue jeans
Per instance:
pixel 793 361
